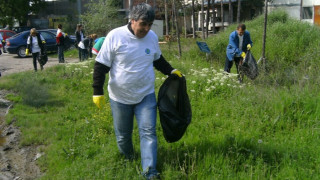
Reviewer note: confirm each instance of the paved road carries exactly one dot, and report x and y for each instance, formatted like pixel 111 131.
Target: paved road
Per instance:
pixel 11 63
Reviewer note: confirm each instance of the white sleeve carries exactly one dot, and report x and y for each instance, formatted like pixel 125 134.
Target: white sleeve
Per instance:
pixel 158 51
pixel 106 53
pixel 1 38
pixel 28 40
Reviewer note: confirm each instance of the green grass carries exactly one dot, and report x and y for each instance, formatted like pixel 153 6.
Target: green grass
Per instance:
pixel 262 129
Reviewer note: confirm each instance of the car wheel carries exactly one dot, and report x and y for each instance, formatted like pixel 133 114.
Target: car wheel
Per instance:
pixel 22 52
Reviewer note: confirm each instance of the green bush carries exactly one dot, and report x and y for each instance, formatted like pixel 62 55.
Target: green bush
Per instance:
pixel 34 92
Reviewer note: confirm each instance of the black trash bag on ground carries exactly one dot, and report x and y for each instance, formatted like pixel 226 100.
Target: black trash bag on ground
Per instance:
pixel 174 108
pixel 249 66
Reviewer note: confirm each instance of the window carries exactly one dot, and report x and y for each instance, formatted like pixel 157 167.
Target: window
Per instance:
pixel 307 12
pixel 47 35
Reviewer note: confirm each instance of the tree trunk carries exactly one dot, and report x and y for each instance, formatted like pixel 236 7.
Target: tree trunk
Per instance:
pixel 230 13
pixel 166 16
pixel 238 12
pixel 301 10
pixel 177 27
pixel 213 17
pixel 202 18
pixel 172 19
pixel 207 19
pixel 193 22
pixel 222 16
pixel 264 35
pixel 184 21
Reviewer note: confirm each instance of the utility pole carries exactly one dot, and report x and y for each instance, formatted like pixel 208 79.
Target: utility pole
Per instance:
pixel 207 19
pixel 214 17
pixel 177 27
pixel 264 36
pixel 184 21
pixel 202 18
pixel 301 10
pixel 193 21
pixel 166 16
pixel 222 16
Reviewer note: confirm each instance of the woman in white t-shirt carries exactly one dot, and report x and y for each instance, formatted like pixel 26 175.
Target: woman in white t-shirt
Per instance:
pixel 35 45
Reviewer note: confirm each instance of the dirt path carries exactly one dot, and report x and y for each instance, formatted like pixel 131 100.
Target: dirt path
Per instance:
pixel 16 162
pixel 10 63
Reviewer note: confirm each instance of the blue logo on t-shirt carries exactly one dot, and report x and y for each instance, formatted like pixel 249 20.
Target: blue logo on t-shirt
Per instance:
pixel 147 51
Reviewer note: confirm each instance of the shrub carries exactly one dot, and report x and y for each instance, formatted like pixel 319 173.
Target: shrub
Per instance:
pixel 34 92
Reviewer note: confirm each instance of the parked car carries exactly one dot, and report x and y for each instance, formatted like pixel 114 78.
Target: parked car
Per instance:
pixel 5 35
pixel 17 44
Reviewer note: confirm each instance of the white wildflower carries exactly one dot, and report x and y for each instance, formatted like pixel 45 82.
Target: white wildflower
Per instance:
pixel 192 90
pixel 260 141
pixel 193 82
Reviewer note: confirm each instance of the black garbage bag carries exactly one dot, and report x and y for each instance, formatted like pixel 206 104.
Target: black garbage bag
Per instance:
pixel 174 108
pixel 43 59
pixel 249 66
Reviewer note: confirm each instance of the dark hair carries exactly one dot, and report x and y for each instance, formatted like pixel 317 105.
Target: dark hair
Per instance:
pixel 242 26
pixel 60 26
pixel 142 11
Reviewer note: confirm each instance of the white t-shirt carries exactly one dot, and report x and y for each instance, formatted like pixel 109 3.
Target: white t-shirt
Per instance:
pixel 34 43
pixel 130 60
pixel 240 43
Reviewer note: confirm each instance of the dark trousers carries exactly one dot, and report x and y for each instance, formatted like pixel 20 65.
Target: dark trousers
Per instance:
pixel 60 54
pixel 36 57
pixel 84 54
pixel 80 53
pixel 90 52
pixel 228 64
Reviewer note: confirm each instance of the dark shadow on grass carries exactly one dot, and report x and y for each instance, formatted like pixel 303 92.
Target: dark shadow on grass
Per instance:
pixel 239 153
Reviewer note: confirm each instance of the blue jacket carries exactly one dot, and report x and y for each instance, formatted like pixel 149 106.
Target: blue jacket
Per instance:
pixel 233 46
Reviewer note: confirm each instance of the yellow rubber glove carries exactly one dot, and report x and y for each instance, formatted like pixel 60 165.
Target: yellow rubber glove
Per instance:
pixel 43 42
pixel 176 72
pixel 249 46
pixel 65 34
pixel 243 55
pixel 3 41
pixel 99 101
pixel 27 52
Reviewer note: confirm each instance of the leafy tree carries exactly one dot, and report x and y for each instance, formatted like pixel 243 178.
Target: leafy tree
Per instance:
pixel 19 10
pixel 102 16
